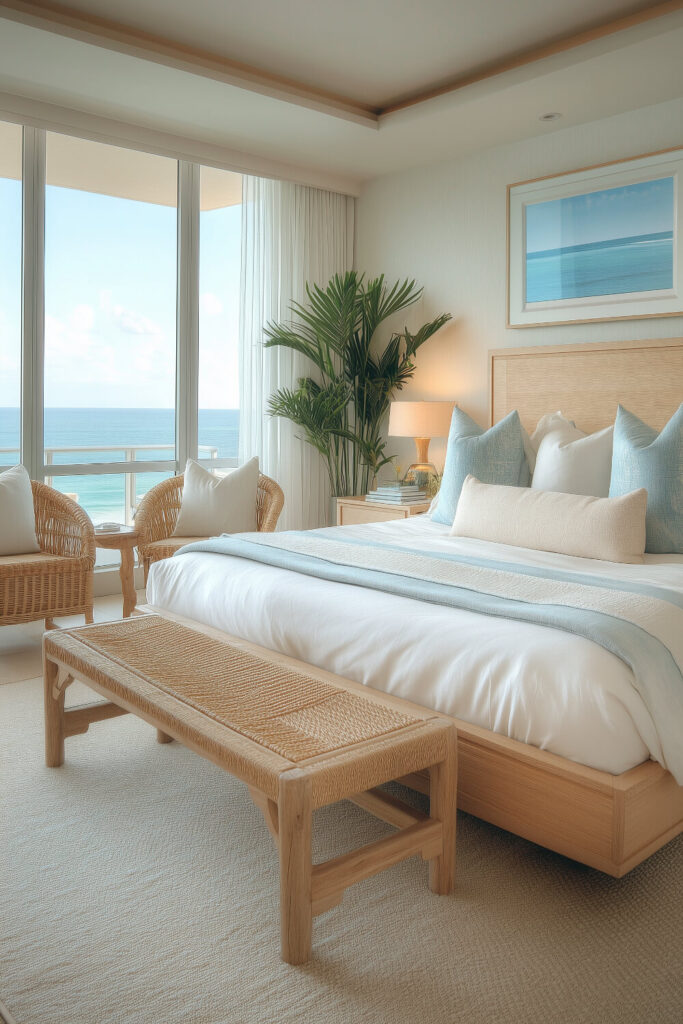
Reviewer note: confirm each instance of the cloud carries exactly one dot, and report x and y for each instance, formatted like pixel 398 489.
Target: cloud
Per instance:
pixel 66 340
pixel 76 361
pixel 82 318
pixel 210 304
pixel 127 319
pixel 135 323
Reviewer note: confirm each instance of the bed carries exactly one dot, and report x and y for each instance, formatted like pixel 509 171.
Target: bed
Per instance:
pixel 556 745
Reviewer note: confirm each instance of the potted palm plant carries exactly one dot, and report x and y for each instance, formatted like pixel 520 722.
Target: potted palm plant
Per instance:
pixel 340 408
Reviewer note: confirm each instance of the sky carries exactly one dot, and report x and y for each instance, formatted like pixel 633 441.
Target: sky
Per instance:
pixel 110 297
pixel 637 209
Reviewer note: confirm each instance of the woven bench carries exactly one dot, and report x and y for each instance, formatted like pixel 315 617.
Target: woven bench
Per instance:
pixel 298 737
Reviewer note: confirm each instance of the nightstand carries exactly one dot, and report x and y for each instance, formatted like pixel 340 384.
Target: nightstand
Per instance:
pixel 351 511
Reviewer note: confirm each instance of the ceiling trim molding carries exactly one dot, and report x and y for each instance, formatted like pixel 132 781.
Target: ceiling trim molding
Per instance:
pixel 111 35
pixel 536 54
pixel 96 128
pixel 97 31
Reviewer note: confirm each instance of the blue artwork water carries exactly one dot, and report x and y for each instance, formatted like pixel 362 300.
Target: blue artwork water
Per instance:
pixel 609 242
pixel 641 263
pixel 115 430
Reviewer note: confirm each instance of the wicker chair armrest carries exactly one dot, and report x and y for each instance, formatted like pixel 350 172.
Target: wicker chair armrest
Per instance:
pixel 62 527
pixel 270 499
pixel 157 513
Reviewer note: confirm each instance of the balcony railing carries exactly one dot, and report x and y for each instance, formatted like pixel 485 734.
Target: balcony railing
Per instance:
pixel 76 466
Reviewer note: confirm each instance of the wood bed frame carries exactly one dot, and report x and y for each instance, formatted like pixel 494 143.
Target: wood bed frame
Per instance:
pixel 609 822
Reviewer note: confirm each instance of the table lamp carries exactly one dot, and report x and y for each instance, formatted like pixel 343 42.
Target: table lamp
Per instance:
pixel 422 421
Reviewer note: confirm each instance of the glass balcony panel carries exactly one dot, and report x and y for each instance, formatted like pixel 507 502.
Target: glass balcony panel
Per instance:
pixel 108 498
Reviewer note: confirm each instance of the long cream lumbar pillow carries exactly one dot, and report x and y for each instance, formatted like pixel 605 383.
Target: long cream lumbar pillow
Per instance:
pixel 612 529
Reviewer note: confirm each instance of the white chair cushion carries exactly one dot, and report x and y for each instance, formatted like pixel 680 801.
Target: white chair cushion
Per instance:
pixel 17 514
pixel 212 505
pixel 612 529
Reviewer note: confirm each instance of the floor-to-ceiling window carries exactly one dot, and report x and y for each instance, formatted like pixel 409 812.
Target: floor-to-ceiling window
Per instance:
pixel 110 320
pixel 219 279
pixel 10 293
pixel 130 354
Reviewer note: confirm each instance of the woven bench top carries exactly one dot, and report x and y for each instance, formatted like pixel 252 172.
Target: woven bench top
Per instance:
pixel 257 714
pixel 295 715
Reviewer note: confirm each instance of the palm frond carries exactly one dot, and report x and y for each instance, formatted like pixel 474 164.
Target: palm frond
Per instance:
pixel 343 412
pixel 380 303
pixel 413 341
pixel 284 335
pixel 332 312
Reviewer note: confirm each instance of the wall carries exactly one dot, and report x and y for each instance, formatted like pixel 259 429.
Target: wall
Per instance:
pixel 445 225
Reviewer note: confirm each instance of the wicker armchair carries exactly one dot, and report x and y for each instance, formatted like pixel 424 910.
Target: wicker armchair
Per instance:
pixel 58 580
pixel 158 511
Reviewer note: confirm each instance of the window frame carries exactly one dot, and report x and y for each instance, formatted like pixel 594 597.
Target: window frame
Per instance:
pixel 33 327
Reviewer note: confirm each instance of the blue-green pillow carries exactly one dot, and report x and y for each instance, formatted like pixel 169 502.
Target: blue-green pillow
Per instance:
pixel 494 456
pixel 643 458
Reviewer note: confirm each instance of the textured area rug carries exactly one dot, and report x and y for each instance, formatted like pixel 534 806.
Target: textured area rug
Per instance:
pixel 139 884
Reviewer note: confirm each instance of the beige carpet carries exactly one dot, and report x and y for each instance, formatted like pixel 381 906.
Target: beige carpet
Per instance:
pixel 138 884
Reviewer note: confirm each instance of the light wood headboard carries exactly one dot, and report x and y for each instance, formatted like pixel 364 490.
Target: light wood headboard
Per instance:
pixel 587 382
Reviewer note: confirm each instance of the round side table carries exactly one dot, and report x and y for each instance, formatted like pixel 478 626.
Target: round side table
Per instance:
pixel 123 540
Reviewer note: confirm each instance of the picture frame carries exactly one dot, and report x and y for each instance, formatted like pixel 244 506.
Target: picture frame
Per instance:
pixel 599 243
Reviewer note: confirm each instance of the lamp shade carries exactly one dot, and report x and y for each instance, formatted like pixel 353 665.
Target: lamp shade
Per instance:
pixel 420 419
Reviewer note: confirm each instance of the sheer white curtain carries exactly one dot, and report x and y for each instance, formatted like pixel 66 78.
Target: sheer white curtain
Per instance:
pixel 291 234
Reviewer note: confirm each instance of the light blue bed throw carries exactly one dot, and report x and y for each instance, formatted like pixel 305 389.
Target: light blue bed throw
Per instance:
pixel 640 623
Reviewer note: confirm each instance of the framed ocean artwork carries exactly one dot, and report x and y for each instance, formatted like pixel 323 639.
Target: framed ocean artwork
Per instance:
pixel 604 243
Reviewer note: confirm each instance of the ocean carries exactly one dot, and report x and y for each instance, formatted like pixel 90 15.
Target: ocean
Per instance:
pixel 640 263
pixel 114 431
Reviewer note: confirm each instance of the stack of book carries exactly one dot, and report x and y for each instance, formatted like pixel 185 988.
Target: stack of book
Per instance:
pixel 398 494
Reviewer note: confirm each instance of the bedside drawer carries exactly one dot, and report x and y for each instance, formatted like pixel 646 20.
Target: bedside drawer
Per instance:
pixel 353 511
pixel 349 515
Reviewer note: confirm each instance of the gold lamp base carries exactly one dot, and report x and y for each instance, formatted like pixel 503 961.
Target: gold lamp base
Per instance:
pixel 422 446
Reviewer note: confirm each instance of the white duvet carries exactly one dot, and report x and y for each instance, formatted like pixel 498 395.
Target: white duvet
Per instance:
pixel 552 689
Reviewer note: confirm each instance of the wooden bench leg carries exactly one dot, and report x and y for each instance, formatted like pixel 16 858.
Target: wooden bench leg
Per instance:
pixel 268 809
pixel 163 737
pixel 442 805
pixel 54 715
pixel 295 823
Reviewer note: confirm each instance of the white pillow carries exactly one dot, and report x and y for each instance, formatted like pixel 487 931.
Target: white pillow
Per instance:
pixel 212 505
pixel 612 529
pixel 547 423
pixel 17 515
pixel 570 461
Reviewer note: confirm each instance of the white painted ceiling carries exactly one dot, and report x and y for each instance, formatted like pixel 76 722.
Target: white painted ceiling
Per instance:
pixel 371 51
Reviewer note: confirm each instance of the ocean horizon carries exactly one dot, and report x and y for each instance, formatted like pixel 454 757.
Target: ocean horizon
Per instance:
pixel 615 266
pixel 111 432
